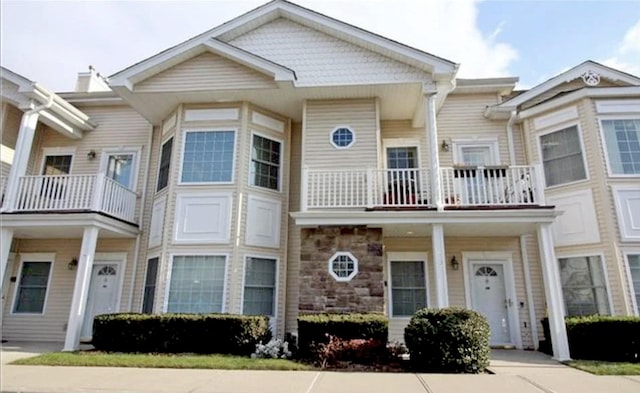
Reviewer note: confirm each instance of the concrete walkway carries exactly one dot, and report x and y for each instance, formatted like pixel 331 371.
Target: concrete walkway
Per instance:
pixel 515 371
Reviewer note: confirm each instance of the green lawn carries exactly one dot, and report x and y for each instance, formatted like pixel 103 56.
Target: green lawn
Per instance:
pixel 606 368
pixel 103 359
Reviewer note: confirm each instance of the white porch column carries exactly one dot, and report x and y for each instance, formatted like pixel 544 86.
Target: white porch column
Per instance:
pixel 81 288
pixel 6 237
pixel 553 292
pixel 440 266
pixel 432 137
pixel 21 157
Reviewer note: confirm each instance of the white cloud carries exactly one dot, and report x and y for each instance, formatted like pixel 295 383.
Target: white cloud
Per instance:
pixel 627 53
pixel 113 35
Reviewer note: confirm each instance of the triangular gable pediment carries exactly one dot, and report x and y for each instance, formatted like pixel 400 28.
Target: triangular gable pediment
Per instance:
pixel 206 71
pixel 586 75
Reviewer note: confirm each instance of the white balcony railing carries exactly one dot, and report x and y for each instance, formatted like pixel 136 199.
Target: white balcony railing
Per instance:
pixel 74 193
pixel 392 188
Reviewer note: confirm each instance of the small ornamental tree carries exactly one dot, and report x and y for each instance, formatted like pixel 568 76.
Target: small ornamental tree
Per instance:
pixel 449 340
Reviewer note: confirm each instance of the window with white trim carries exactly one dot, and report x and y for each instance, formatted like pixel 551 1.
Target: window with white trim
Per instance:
pixel 343 266
pixel 208 157
pixel 342 137
pixel 259 286
pixel 622 140
pixel 408 287
pixel 165 165
pixel 150 285
pixel 120 167
pixel 32 287
pixel 634 269
pixel 583 286
pixel 562 157
pixel 197 284
pixel 265 162
pixel 57 164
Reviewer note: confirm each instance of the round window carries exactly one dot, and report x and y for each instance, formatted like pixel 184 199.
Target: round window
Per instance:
pixel 342 137
pixel 343 266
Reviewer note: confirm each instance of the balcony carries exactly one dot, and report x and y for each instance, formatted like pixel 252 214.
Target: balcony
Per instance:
pixel 74 193
pixel 461 187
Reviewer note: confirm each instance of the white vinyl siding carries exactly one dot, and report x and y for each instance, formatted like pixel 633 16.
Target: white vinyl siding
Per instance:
pixel 208 157
pixel 622 140
pixel 32 287
pixel 562 157
pixel 584 286
pixel 196 284
pixel 259 286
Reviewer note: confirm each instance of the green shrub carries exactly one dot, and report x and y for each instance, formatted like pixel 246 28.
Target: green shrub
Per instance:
pixel 596 337
pixel 453 340
pixel 315 329
pixel 179 333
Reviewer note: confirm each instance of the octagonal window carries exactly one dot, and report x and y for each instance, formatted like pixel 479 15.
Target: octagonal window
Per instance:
pixel 343 266
pixel 342 137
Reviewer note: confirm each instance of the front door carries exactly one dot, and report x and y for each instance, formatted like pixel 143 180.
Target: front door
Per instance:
pixel 103 294
pixel 489 297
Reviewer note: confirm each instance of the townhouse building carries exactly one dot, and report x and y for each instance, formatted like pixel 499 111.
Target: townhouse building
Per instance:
pixel 286 162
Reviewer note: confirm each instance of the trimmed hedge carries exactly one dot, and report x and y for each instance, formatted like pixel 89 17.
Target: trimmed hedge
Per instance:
pixel 598 337
pixel 314 329
pixel 179 333
pixel 450 340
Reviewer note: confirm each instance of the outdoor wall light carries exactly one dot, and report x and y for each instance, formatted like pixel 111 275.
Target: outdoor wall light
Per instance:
pixel 73 264
pixel 91 155
pixel 444 145
pixel 455 265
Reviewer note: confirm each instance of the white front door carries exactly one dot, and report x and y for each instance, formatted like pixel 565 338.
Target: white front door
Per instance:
pixel 103 294
pixel 489 297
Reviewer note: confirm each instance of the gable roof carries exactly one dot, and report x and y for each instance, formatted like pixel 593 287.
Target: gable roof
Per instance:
pixel 576 72
pixel 215 40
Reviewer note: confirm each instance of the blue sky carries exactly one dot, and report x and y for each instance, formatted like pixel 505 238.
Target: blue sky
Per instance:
pixel 50 41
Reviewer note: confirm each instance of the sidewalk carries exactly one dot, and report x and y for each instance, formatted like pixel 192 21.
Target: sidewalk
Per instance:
pixel 516 371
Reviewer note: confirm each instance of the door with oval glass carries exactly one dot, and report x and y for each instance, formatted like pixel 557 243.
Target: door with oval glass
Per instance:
pixel 103 294
pixel 489 297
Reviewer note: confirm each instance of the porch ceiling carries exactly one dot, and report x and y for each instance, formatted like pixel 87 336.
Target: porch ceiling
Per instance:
pixel 397 101
pixel 460 230
pixel 65 226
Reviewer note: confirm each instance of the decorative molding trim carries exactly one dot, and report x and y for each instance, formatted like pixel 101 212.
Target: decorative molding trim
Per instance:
pixel 211 114
pixel 267 121
pixel 557 117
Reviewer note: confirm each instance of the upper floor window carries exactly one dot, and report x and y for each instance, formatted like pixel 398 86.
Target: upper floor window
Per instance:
pixel 120 168
pixel 562 157
pixel 265 162
pixel 208 157
pixel 57 164
pixel 342 137
pixel 622 139
pixel 165 165
pixel 402 157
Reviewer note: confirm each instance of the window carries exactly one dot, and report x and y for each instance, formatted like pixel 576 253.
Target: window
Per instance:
pixel 634 269
pixel 259 286
pixel 57 165
pixel 583 286
pixel 165 165
pixel 265 162
pixel 32 287
pixel 120 167
pixel 150 286
pixel 408 287
pixel 562 157
pixel 208 157
pixel 402 157
pixel 343 266
pixel 197 284
pixel 622 139
pixel 342 137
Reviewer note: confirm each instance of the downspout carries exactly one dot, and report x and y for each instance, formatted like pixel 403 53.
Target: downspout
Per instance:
pixel 136 257
pixel 512 148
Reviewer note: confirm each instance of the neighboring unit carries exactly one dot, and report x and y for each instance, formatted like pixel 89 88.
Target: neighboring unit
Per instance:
pixel 286 162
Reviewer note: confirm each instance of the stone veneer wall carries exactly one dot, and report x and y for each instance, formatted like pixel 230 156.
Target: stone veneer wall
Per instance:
pixel 319 291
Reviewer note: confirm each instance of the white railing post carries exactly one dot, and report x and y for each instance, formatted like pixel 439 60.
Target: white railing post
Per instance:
pixel 98 192
pixel 369 179
pixel 538 183
pixel 304 190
